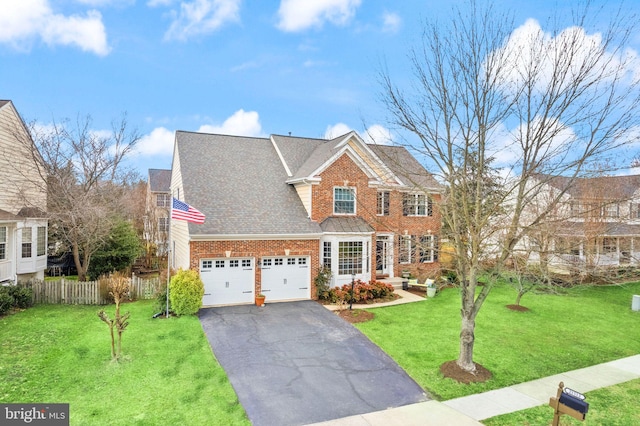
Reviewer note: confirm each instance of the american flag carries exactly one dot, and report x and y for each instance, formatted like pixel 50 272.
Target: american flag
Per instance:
pixel 183 211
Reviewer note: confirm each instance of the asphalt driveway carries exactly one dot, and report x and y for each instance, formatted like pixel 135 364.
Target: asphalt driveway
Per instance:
pixel 297 363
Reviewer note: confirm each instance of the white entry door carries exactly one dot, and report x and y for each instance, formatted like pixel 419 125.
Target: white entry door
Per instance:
pixel 227 281
pixel 286 278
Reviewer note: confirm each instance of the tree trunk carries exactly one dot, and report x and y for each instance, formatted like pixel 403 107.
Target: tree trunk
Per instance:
pixel 519 296
pixel 467 340
pixel 82 270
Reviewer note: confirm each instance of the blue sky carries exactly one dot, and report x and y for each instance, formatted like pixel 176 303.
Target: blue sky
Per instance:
pixel 222 66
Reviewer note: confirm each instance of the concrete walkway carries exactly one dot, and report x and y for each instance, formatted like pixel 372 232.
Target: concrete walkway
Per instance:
pixel 469 410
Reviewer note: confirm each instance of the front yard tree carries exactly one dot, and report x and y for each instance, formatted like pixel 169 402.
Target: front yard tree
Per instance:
pixel 84 175
pixel 565 98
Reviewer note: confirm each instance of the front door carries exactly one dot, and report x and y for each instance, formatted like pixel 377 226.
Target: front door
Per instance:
pixel 383 256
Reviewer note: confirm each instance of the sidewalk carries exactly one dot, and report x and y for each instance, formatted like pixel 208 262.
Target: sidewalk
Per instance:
pixel 468 410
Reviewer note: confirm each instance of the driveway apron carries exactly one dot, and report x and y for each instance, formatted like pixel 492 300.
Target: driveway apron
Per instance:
pixel 297 363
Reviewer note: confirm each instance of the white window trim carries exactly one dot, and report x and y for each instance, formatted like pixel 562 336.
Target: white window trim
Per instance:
pixel 355 207
pixel 386 195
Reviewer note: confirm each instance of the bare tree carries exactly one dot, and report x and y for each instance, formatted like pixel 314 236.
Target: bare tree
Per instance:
pixel 84 176
pixel 569 99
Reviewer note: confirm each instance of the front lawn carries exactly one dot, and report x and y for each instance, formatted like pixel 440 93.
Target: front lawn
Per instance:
pixel 585 326
pixel 61 354
pixel 612 406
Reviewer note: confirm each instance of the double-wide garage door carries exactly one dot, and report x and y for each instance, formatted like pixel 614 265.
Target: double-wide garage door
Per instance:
pixel 286 278
pixel 230 281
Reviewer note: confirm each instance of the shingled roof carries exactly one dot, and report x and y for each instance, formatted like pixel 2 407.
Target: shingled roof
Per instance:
pixel 160 180
pixel 599 187
pixel 239 184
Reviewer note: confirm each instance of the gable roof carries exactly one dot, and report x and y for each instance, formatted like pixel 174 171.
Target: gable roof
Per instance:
pixel 599 187
pixel 406 167
pixel 239 184
pixel 160 180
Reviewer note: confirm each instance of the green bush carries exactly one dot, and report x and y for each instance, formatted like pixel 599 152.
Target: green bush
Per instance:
pixel 22 296
pixel 6 300
pixel 185 292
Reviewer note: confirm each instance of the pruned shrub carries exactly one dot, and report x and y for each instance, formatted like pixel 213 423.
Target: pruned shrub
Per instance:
pixel 22 296
pixel 362 292
pixel 185 292
pixel 6 300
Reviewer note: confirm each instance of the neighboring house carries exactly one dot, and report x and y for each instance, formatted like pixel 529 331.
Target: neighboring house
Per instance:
pixel 23 201
pixel 156 226
pixel 597 224
pixel 278 208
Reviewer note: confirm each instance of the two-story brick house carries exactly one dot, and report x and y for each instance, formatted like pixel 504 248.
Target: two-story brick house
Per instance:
pixel 158 204
pixel 23 201
pixel 278 208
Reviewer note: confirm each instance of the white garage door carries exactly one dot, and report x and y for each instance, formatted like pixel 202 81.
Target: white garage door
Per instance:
pixel 227 281
pixel 286 278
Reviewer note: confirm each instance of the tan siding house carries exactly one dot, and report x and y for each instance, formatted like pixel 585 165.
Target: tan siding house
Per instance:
pixel 23 199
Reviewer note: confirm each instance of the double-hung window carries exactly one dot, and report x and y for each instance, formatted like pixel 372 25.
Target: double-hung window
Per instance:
pixel 163 224
pixel 344 200
pixel 41 240
pixel 412 248
pixel 162 200
pixel 26 243
pixel 383 203
pixel 416 205
pixel 3 242
pixel 326 254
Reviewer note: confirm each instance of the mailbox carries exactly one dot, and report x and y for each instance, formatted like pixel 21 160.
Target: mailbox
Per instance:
pixel 570 402
pixel 575 403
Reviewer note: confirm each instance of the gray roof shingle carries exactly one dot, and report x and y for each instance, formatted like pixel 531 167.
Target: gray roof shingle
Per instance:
pixel 160 180
pixel 600 187
pixel 239 184
pixel 406 167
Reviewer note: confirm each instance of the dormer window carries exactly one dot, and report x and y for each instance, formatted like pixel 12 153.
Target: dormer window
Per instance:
pixel 344 200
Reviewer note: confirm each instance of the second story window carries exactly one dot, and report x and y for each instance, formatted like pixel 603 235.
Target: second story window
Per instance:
pixel 383 203
pixel 416 205
pixel 344 200
pixel 162 200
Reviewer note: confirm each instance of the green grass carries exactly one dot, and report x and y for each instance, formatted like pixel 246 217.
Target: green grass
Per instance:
pixel 612 406
pixel 61 354
pixel 585 326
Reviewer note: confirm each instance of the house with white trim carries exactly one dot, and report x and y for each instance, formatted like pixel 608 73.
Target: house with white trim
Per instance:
pixel 278 208
pixel 23 201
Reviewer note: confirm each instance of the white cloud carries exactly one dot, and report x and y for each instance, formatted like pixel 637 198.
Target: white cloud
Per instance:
pixel 202 17
pixel 336 130
pixel 530 48
pixel 375 133
pixel 23 21
pixel 391 22
pixel 299 15
pixel 156 3
pixel 158 142
pixel 241 123
pixel 378 135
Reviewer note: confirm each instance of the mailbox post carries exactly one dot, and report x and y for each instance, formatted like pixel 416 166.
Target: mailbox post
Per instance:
pixel 568 401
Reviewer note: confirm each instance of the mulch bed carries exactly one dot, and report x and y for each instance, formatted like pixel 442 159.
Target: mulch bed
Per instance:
pixel 355 315
pixel 451 370
pixel 518 308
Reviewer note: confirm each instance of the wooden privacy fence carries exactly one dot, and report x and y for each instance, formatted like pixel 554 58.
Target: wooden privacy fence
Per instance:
pixel 70 292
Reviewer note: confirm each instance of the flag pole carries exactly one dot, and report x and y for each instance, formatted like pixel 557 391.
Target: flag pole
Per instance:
pixel 169 257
